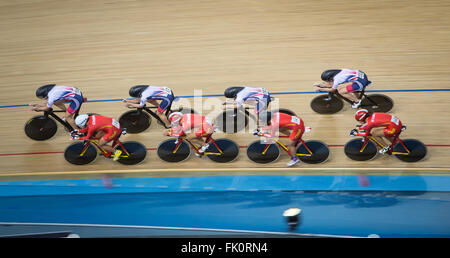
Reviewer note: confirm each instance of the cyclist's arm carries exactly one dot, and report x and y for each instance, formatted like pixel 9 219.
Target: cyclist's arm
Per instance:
pixel 323 89
pixel 176 131
pixel 364 130
pixel 89 132
pixel 272 128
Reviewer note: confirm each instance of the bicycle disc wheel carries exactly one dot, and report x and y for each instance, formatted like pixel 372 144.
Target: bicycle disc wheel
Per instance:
pixel 230 151
pixel 168 151
pixel 255 152
pixel 417 149
pixel 40 128
pixel 73 153
pixel 377 103
pixel 320 152
pixel 232 121
pixel 137 152
pixel 322 105
pixel 134 121
pixel 353 150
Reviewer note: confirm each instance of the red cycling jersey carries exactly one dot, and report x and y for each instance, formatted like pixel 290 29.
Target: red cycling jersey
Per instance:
pixel 282 120
pixel 392 125
pixel 98 123
pixel 201 125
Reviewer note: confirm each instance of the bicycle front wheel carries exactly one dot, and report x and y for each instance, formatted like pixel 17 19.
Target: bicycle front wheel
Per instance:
pixel 324 105
pixel 40 128
pixel 263 153
pixel 171 152
pixel 355 150
pixel 79 154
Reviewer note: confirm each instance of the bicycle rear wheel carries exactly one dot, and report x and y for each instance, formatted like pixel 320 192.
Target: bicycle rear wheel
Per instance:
pixel 417 149
pixel 353 150
pixel 135 121
pixel 255 152
pixel 377 103
pixel 74 153
pixel 170 152
pixel 40 128
pixel 137 153
pixel 230 151
pixel 324 105
pixel 320 152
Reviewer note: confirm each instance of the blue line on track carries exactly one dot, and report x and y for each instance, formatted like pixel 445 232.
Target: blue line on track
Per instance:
pixel 273 93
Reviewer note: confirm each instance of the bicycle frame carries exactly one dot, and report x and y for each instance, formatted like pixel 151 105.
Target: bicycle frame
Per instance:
pixel 361 95
pixel 57 118
pixel 396 139
pixel 195 147
pixel 153 114
pixel 309 154
pixel 103 151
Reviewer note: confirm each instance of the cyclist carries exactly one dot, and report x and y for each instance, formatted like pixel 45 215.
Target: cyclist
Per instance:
pixel 380 125
pixel 195 127
pixel 58 95
pixel 103 128
pixel 259 97
pixel 335 79
pixel 285 124
pixel 151 94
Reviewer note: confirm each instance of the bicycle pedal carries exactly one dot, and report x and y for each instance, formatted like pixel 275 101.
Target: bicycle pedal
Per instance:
pixel 117 154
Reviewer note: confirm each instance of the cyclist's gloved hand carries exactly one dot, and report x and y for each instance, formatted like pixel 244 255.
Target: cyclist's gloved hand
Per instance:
pixel 74 135
pixel 353 132
pixel 256 132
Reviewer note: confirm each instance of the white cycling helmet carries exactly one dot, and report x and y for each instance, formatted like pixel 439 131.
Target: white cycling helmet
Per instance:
pixel 81 120
pixel 175 118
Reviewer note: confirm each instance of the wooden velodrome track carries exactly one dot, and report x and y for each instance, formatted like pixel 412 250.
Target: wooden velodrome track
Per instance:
pixel 105 46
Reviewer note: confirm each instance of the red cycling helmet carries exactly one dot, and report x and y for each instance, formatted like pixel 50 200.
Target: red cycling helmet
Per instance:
pixel 361 115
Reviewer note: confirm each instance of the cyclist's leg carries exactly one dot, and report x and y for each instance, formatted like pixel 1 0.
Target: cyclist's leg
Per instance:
pixel 74 106
pixel 294 138
pixel 379 135
pixel 347 91
pixel 391 133
pixel 163 106
pixel 107 138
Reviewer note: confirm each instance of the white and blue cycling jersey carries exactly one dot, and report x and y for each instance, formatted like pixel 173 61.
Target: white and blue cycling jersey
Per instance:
pixel 155 92
pixel 67 94
pixel 260 96
pixel 358 78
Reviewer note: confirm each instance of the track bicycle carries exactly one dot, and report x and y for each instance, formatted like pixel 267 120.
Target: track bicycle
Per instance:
pixel 312 151
pixel 333 102
pixel 179 149
pixel 365 148
pixel 85 152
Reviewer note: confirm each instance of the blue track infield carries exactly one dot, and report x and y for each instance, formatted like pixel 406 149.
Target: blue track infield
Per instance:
pixel 390 206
